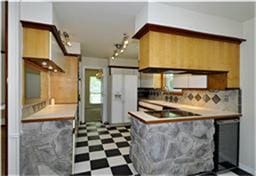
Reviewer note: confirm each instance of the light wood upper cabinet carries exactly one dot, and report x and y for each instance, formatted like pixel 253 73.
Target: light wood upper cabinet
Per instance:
pixel 182 51
pixel 42 45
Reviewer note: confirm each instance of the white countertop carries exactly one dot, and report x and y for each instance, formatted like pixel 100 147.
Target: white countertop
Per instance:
pixel 205 113
pixel 53 112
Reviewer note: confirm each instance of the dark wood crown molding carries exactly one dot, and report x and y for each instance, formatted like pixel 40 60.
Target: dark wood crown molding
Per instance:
pixel 49 27
pixel 179 31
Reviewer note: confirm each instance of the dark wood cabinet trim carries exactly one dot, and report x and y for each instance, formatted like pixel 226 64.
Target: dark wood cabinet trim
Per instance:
pixel 48 27
pixel 123 67
pixel 179 31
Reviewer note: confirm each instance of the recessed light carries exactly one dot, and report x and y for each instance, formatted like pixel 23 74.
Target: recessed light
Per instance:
pixel 55 70
pixel 50 68
pixel 44 63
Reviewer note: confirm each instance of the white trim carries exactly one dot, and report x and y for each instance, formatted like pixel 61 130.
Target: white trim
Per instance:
pixel 14 88
pixel 105 91
pixel 247 169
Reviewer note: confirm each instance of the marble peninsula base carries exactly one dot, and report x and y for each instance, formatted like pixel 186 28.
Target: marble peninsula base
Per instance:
pixel 46 148
pixel 177 149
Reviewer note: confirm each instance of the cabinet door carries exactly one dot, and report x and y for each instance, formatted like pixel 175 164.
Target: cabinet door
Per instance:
pixel 197 81
pixel 130 95
pixel 56 54
pixel 180 81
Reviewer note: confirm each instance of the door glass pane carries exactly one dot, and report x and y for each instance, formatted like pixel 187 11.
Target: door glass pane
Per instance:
pixel 95 90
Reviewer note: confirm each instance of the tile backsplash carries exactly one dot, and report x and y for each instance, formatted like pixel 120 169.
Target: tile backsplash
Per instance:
pixel 226 100
pixel 28 110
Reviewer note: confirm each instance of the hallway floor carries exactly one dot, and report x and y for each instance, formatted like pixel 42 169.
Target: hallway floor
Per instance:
pixel 102 150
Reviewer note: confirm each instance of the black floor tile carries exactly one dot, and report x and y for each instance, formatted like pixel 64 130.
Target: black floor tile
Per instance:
pixel 82 144
pixel 122 144
pixel 116 135
pixel 128 138
pixel 107 141
pixel 81 134
pixel 91 130
pixel 113 152
pixel 241 172
pixel 95 148
pixel 123 131
pixel 103 132
pixel 121 170
pixel 93 137
pixel 127 159
pixel 98 164
pixel 111 128
pixel 82 157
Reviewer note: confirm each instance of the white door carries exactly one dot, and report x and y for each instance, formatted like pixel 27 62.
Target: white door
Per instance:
pixel 130 95
pixel 117 99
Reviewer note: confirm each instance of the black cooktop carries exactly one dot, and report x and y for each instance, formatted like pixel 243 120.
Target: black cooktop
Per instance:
pixel 171 113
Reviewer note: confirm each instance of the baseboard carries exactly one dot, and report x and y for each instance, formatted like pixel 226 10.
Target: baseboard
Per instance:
pixel 247 169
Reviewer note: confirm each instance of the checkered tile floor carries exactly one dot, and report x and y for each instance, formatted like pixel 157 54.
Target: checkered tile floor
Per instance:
pixel 102 150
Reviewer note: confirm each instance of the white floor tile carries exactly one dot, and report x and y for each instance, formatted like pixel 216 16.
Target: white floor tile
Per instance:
pixel 105 171
pixel 97 155
pixel 80 150
pixel 105 136
pixel 116 160
pixel 81 139
pixel 119 139
pixel 94 142
pixel 109 146
pixel 82 167
pixel 132 169
pixel 102 129
pixel 124 150
pixel 92 133
pixel 126 134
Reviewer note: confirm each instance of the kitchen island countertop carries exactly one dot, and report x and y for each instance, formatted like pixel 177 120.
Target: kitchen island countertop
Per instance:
pixel 53 112
pixel 205 113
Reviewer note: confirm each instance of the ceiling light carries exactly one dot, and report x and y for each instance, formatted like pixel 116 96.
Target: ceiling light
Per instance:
pixel 120 47
pixel 44 63
pixel 50 68
pixel 55 70
pixel 65 38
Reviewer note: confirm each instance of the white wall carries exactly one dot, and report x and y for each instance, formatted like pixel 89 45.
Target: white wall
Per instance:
pixel 124 62
pixel 158 13
pixel 94 63
pixel 247 127
pixel 37 12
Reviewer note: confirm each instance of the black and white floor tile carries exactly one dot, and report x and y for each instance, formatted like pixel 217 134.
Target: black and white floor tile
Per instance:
pixel 102 150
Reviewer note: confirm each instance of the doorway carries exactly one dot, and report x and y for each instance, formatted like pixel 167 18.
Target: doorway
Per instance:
pixel 93 95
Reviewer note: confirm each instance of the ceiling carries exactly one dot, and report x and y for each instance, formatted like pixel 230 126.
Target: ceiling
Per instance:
pixel 99 25
pixel 238 11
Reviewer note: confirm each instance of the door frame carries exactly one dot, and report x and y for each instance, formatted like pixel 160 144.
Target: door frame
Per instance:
pixel 104 102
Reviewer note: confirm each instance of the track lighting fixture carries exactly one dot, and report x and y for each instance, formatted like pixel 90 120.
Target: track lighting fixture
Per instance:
pixel 65 38
pixel 120 47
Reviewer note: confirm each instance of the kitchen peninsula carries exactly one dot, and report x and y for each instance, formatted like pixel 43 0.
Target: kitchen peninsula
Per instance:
pixel 176 145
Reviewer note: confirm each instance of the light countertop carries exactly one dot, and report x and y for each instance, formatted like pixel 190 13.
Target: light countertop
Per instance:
pixel 205 113
pixel 53 112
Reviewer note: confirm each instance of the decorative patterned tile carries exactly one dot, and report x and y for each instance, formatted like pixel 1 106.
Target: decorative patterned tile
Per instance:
pixel 216 99
pixel 206 98
pixel 198 97
pixel 190 96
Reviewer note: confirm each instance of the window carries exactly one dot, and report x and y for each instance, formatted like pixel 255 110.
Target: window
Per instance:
pixel 95 90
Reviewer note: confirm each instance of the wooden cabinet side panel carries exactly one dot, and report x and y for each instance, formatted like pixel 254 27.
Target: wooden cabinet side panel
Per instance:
pixel 144 51
pixel 36 43
pixel 64 86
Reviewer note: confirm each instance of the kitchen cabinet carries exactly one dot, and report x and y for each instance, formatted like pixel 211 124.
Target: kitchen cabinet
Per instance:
pixel 188 81
pixel 150 80
pixel 123 97
pixel 167 48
